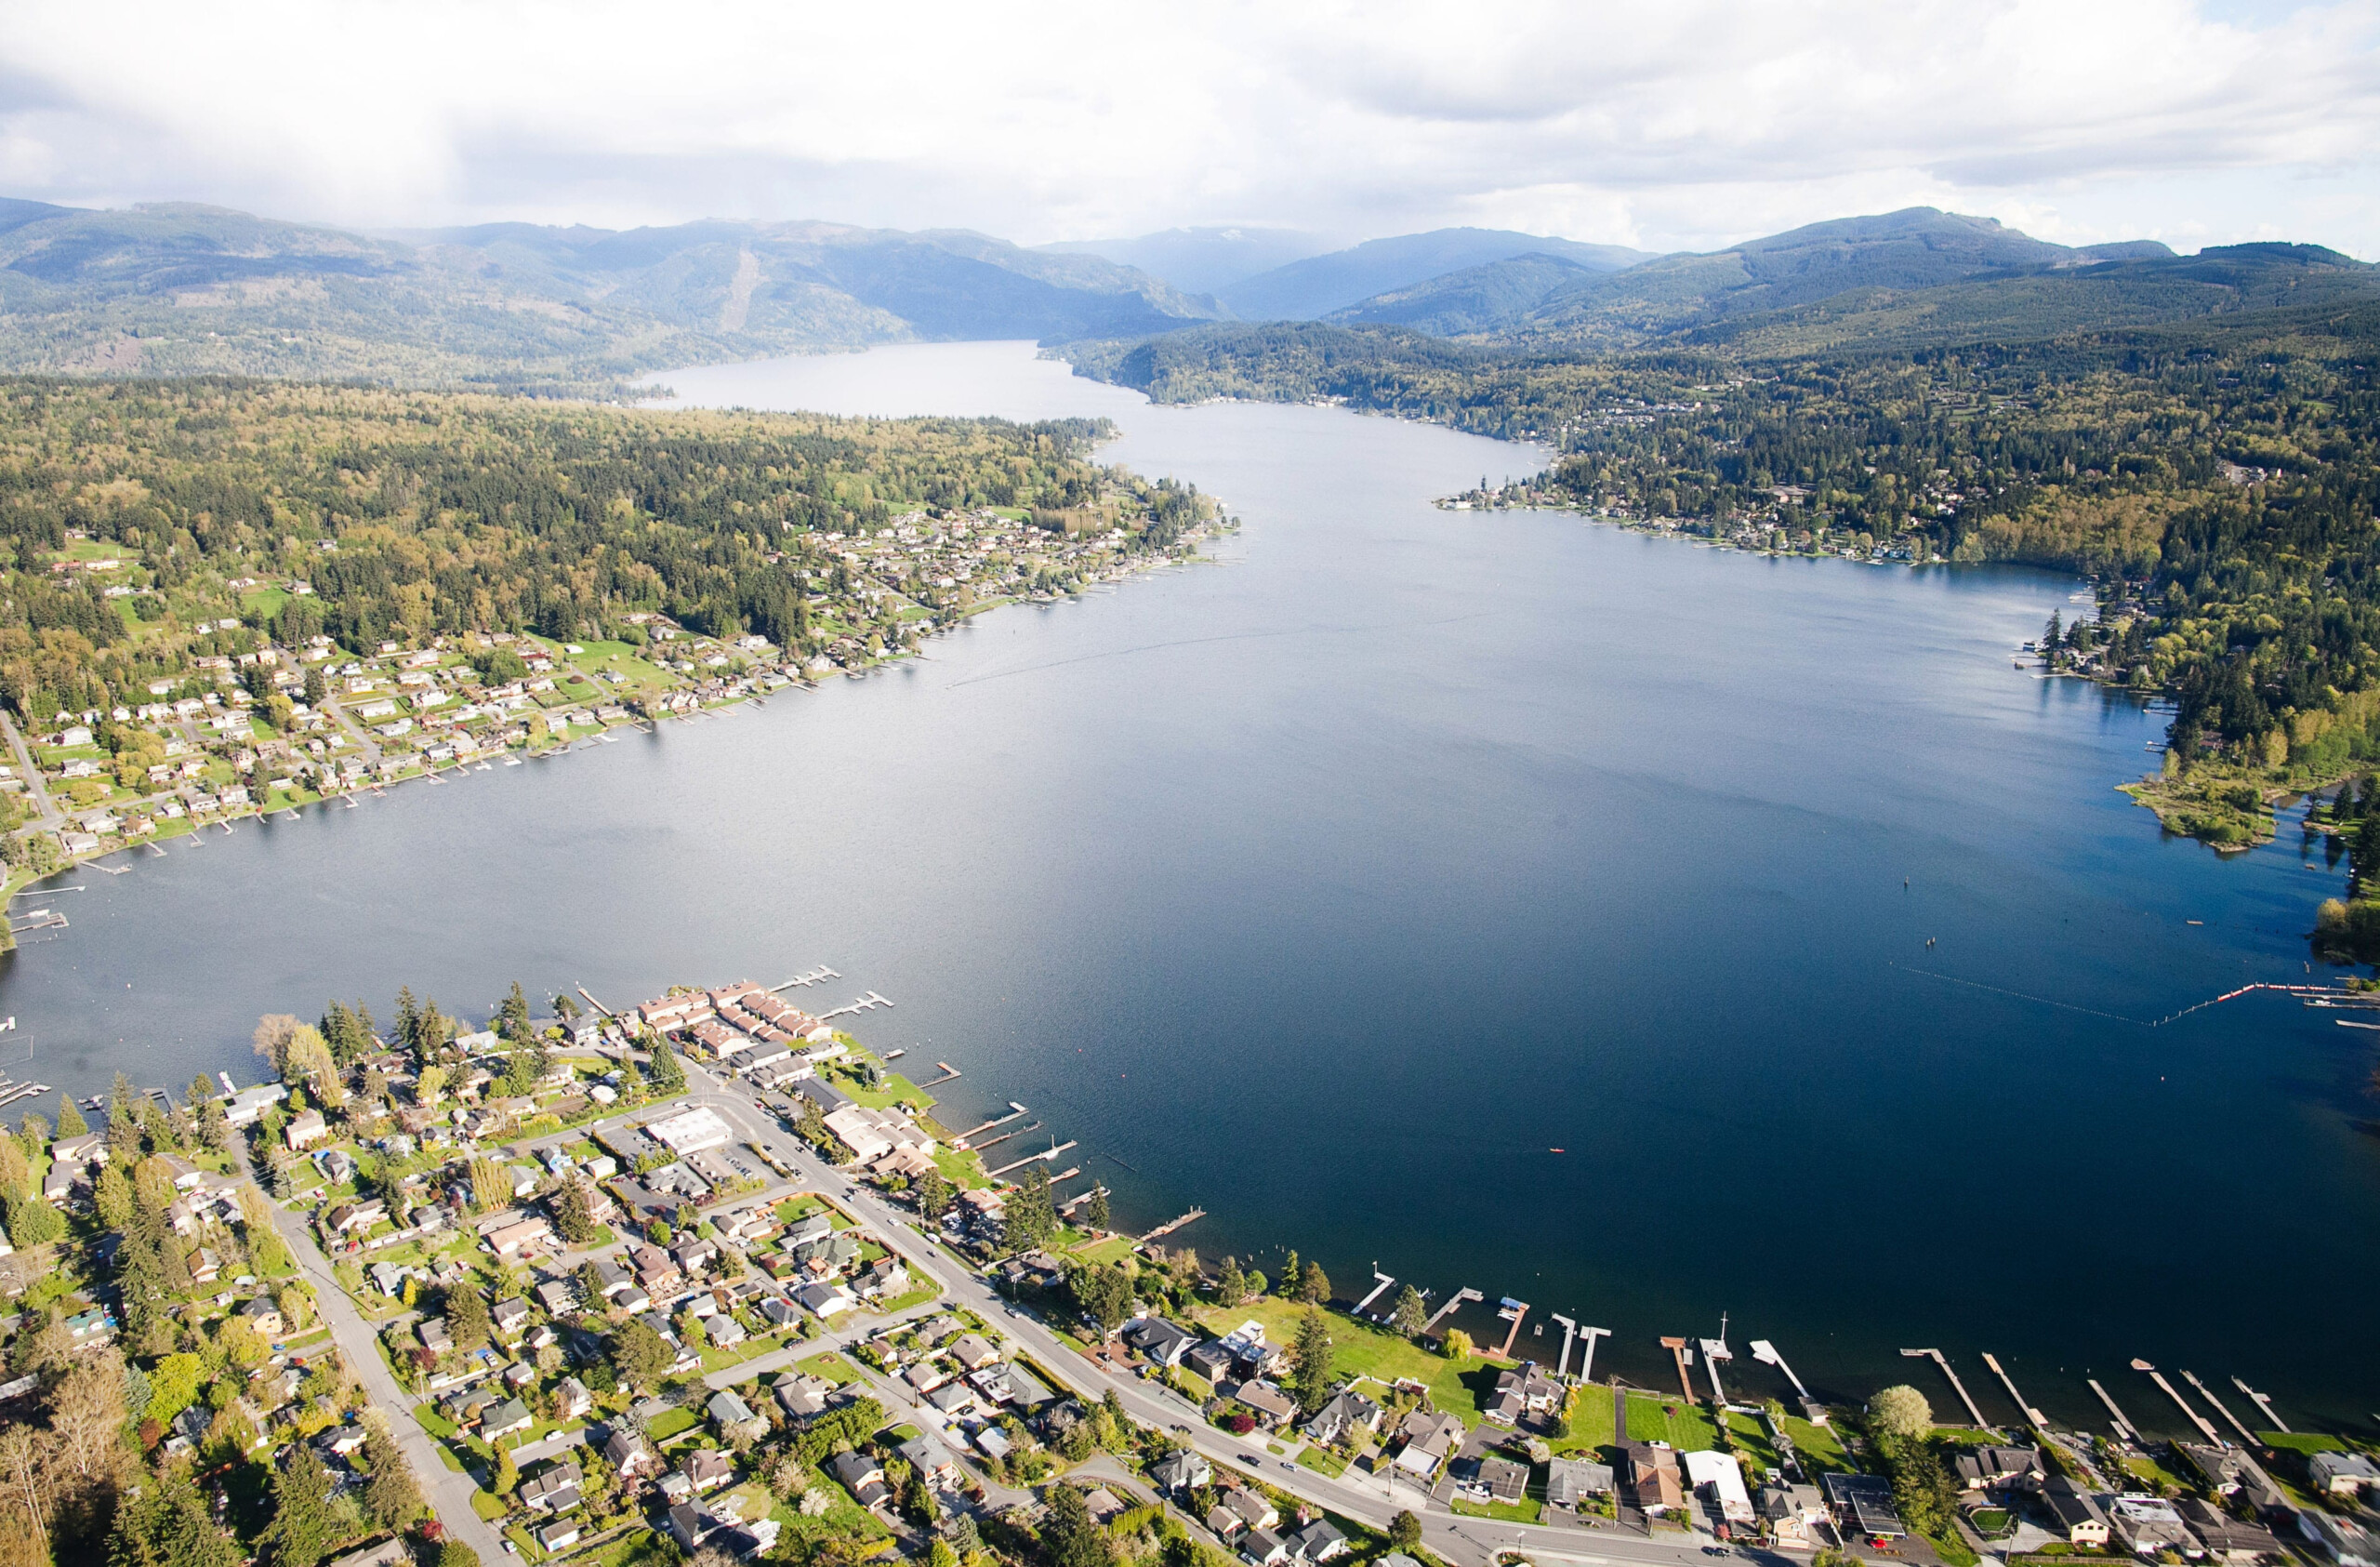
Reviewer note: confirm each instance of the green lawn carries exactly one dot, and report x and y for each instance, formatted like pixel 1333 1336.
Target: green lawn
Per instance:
pixel 1590 1420
pixel 663 1427
pixel 831 1366
pixel 1506 1512
pixel 1322 1461
pixel 1821 1450
pixel 1360 1350
pixel 1751 1436
pixel 1116 1248
pixel 1684 1426
pixel 2308 1442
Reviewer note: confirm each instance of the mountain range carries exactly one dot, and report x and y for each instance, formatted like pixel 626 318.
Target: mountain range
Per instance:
pixel 178 288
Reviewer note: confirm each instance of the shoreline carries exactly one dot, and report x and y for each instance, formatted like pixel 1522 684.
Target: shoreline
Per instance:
pixel 175 816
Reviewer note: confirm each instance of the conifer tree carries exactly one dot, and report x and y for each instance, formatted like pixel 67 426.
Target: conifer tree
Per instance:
pixel 70 1120
pixel 303 1527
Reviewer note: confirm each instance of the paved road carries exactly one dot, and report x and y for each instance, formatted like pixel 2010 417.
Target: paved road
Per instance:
pixel 1372 1499
pixel 448 1493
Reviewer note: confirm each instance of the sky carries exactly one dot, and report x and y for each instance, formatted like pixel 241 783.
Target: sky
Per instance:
pixel 1665 124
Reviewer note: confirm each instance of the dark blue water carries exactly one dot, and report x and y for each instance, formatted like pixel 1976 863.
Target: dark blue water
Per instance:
pixel 1336 886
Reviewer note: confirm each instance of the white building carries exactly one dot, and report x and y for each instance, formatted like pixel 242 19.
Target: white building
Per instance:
pixel 690 1131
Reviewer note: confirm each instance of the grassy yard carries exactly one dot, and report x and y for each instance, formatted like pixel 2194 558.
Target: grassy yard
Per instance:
pixel 1650 1419
pixel 1116 1248
pixel 1821 1450
pixel 1590 1420
pixel 1751 1436
pixel 1503 1512
pixel 663 1427
pixel 1359 1349
pixel 1322 1461
pixel 831 1366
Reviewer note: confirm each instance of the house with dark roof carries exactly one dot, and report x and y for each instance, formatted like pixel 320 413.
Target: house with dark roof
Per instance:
pixel 2074 1515
pixel 1347 1412
pixel 1162 1343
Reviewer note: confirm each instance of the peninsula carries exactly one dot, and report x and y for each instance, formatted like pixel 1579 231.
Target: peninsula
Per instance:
pixel 229 598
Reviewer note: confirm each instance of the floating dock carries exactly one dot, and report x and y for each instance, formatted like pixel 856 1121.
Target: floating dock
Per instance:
pixel 814 977
pixel 1956 1385
pixel 1453 1301
pixel 1170 1226
pixel 2032 1414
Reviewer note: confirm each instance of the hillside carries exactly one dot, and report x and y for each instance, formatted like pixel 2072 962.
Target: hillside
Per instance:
pixel 1201 260
pixel 1308 289
pixel 1918 248
pixel 178 289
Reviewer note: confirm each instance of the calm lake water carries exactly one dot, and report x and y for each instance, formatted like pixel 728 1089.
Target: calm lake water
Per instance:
pixel 1506 900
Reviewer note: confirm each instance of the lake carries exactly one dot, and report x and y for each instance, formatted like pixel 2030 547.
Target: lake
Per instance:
pixel 1644 930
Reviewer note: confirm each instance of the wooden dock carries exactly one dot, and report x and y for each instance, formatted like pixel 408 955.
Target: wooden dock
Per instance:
pixel 2263 1404
pixel 1956 1385
pixel 1071 1203
pixel 1453 1301
pixel 949 1074
pixel 868 1002
pixel 2032 1414
pixel 1015 1110
pixel 994 1142
pixel 1170 1226
pixel 2205 1426
pixel 1050 1154
pixel 821 973
pixel 2123 1426
pixel 2245 1435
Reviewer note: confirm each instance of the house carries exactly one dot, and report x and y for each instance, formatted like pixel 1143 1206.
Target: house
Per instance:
pixel 1653 1474
pixel 1101 1505
pixel 2000 1469
pixel 204 1265
pixel 1160 1342
pixel 689 1525
pixel 1488 1479
pixel 706 1468
pixel 777 1311
pixel 573 1400
pixel 1718 1480
pixel 2146 1525
pixel 992 1444
pixel 1430 1439
pixel 1570 1482
pixel 823 1299
pixel 2072 1514
pixel 1793 1514
pixel 871 1134
pixel 2342 1474
pixel 1317 1542
pixel 264 1316
pixel 1032 1270
pixel 554 1488
pixel 506 1419
pixel 1523 1391
pixel 1180 1472
pixel 733 1415
pixel 513 1238
pixel 1250 1509
pixel 973 1352
pixel 629 1455
pixel 862 1476
pixel 931 1461
pixel 557 1536
pixel 243 1108
pixel 1272 1407
pixel 2225 1538
pixel 509 1315
pixel 889 1276
pixel 2341 1541
pixel 690 1131
pixel 305 1129
pixel 1347 1412
pixel 339 1441
pixel 1262 1548
pixel 558 1297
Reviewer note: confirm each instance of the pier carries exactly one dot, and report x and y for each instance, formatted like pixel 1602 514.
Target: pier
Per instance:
pixel 2206 1426
pixel 1050 1155
pixel 593 1003
pixel 2032 1414
pixel 949 1074
pixel 1714 1351
pixel 868 1002
pixel 1067 1209
pixel 1678 1352
pixel 1956 1385
pixel 1170 1226
pixel 2263 1404
pixel 1767 1355
pixel 1587 1361
pixel 1015 1110
pixel 993 1142
pixel 11 1092
pixel 1381 1281
pixel 2123 1426
pixel 1512 1311
pixel 2245 1435
pixel 813 977
pixel 1452 1301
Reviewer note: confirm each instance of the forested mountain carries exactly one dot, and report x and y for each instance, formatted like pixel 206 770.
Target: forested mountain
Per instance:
pixel 1916 250
pixel 178 288
pixel 1303 290
pixel 1202 261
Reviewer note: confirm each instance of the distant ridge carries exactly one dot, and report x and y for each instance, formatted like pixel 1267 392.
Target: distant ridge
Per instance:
pixel 1202 261
pixel 178 287
pixel 1314 288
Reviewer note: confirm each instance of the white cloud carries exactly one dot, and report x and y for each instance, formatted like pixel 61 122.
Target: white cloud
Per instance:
pixel 1685 123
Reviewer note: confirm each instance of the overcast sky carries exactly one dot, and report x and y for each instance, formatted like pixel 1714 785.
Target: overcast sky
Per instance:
pixel 1664 124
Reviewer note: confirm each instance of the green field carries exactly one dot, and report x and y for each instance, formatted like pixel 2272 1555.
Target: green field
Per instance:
pixel 1359 1349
